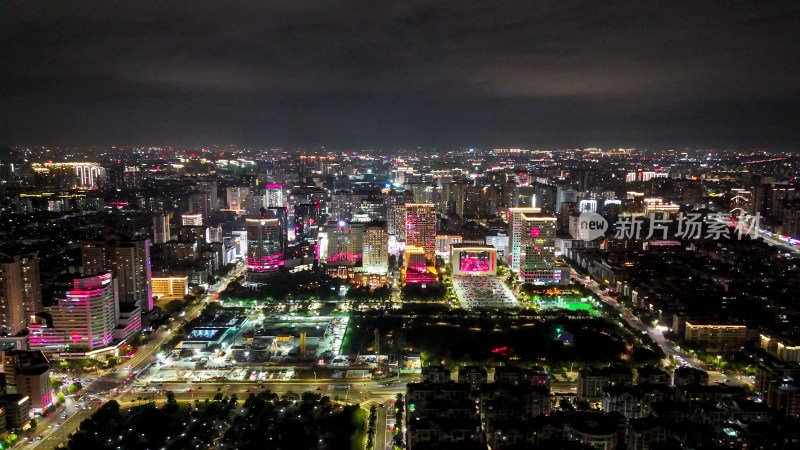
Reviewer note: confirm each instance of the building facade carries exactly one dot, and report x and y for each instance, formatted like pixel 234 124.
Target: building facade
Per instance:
pixel 421 227
pixel 128 260
pixel 20 291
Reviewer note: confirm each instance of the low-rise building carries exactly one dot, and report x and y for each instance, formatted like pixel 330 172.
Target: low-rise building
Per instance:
pixel 592 382
pixel 715 336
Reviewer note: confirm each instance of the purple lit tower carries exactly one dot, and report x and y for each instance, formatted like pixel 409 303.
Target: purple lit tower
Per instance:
pixel 265 246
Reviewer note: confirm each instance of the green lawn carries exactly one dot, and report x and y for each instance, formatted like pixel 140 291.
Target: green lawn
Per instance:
pixel 351 343
pixel 357 442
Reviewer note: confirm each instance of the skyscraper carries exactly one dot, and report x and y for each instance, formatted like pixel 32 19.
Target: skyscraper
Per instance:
pixel 421 228
pixel 20 291
pixel 416 267
pixel 84 318
pixel 237 197
pixel 515 233
pixel 160 228
pixel 192 220
pixel 537 249
pixel 265 246
pixel 128 260
pixel 274 196
pixel 345 244
pixel 376 249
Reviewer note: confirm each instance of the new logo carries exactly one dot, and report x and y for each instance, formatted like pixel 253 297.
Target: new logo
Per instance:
pixel 591 226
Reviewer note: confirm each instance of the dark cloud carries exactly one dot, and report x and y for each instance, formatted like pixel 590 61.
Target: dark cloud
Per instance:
pixel 406 73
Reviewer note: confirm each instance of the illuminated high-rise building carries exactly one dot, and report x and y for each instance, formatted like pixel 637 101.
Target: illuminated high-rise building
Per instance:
pixel 305 220
pixel 204 200
pixel 396 218
pixel 161 232
pixel 20 291
pixel 265 246
pixel 537 256
pixel 274 196
pixel 376 249
pixel 237 197
pixel 129 262
pixel 421 228
pixel 345 244
pixel 515 234
pixel 359 250
pixel 192 220
pixel 85 318
pixel 416 266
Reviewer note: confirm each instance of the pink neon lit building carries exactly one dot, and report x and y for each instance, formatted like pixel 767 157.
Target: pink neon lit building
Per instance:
pixel 84 319
pixel 264 245
pixel 474 260
pixel 421 227
pixel 416 270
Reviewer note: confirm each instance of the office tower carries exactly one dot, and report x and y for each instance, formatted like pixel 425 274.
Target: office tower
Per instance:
pixel 396 218
pixel 537 255
pixel 376 248
pixel 545 197
pixel 306 217
pixel 84 318
pixel 565 194
pixel 209 188
pixel 28 373
pixel 791 219
pixel 236 197
pixel 421 227
pixel 239 242
pixel 345 244
pixel 254 203
pixel 451 200
pixel 160 228
pixel 213 234
pixel 129 262
pixel 587 205
pixel 274 196
pixel 369 209
pixel 524 196
pixel 343 204
pixel 515 232
pixel 416 266
pixel 20 291
pixel 192 220
pixel 265 245
pixel 425 193
pixel 204 201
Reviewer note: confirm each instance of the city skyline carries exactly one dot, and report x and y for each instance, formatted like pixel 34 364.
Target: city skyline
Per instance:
pixel 407 225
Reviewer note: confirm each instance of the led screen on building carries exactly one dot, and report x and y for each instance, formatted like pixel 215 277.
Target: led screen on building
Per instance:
pixel 475 261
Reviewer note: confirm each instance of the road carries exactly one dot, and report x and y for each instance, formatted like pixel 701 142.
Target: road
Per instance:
pixel 671 352
pixel 366 394
pixel 105 384
pixel 380 428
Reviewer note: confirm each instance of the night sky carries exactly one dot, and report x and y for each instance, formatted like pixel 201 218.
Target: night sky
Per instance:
pixel 400 74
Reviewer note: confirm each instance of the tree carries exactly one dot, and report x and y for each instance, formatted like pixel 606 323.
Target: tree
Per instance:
pixel 34 422
pixel 10 440
pixel 61 398
pixel 55 384
pixel 74 387
pixel 173 307
pixel 171 398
